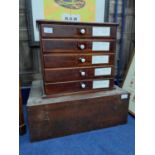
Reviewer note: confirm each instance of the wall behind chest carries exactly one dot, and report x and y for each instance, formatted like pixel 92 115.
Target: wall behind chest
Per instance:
pixel 29 65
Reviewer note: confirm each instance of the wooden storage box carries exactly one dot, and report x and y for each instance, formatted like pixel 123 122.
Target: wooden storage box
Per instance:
pixel 59 116
pixel 77 57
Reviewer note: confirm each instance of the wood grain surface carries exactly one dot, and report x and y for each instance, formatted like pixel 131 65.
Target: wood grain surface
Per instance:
pixel 67 115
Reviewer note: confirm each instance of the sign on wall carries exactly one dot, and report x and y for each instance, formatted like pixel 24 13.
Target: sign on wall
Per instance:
pixel 65 10
pixel 72 10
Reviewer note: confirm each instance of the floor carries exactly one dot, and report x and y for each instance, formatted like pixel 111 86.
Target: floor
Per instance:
pixel 119 140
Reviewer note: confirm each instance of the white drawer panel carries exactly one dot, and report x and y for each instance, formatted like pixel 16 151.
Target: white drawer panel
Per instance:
pixel 48 30
pixel 101 31
pixel 101 46
pixel 102 71
pixel 100 59
pixel 101 84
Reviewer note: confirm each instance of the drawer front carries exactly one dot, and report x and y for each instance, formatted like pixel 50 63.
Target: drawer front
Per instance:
pixel 73 74
pixel 77 31
pixel 68 45
pixel 79 60
pixel 78 86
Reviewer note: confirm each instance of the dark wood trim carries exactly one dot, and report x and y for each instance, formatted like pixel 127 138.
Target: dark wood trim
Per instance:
pixel 75 23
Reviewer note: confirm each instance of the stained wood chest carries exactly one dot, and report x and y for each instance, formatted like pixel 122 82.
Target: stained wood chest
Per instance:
pixel 77 57
pixel 59 116
pixel 78 91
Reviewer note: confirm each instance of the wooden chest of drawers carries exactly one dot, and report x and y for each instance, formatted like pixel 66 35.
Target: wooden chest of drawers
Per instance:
pixel 77 57
pixel 78 73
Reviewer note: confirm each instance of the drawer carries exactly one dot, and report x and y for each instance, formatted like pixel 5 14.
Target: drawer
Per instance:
pixel 78 86
pixel 77 31
pixel 73 74
pixel 78 45
pixel 77 60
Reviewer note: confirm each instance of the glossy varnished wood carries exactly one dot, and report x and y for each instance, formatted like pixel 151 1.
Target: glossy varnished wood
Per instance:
pixel 61 52
pixel 72 74
pixel 73 31
pixel 75 23
pixel 72 103
pixel 74 86
pixel 70 45
pixel 73 60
